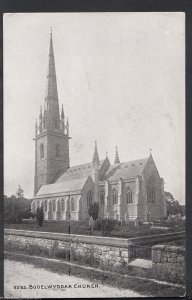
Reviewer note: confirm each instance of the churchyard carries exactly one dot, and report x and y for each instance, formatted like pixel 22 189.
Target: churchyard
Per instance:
pixel 105 227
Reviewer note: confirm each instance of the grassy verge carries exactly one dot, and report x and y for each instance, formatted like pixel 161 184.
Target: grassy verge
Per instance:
pixel 142 286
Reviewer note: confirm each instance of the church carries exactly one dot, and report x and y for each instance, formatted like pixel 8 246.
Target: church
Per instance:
pixel 124 190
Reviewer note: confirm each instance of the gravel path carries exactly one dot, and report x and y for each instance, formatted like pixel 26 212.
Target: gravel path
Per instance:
pixel 39 283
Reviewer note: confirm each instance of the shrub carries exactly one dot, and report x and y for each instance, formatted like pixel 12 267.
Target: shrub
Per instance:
pixel 98 224
pixel 93 210
pixel 40 216
pixel 108 225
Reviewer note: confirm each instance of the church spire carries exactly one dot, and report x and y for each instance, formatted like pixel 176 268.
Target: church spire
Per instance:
pixel 62 113
pixel 51 76
pixel 51 99
pixel 117 161
pixel 95 154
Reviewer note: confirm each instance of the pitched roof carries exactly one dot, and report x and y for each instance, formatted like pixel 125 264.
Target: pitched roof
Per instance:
pixel 62 187
pixel 125 170
pixel 77 172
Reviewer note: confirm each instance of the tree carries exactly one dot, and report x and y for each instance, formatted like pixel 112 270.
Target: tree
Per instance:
pixel 93 210
pixel 40 215
pixel 173 206
pixel 16 208
pixel 19 192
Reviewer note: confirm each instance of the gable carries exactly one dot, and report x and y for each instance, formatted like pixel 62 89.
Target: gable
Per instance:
pixel 151 172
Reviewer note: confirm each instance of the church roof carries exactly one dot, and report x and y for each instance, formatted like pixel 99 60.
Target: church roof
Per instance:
pixel 125 170
pixel 62 187
pixel 77 172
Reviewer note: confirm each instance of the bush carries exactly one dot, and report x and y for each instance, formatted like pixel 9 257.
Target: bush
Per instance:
pixel 40 216
pixel 108 225
pixel 16 209
pixel 98 224
pixel 93 210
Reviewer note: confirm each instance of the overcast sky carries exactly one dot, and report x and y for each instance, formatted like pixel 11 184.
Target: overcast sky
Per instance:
pixel 121 79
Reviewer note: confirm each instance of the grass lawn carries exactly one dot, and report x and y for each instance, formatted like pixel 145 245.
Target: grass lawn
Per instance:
pixel 82 228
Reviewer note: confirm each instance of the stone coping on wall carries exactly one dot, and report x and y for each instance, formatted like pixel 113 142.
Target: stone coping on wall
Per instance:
pixel 110 241
pixel 70 237
pixel 174 249
pixel 150 239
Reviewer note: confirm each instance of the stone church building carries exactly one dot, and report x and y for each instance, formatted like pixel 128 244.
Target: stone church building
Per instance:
pixel 124 190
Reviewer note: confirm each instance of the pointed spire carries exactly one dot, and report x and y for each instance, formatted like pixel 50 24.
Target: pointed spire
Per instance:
pixel 67 123
pixel 36 127
pixel 40 114
pixel 51 77
pixel 62 113
pixel 51 97
pixel 117 161
pixel 150 152
pixel 95 154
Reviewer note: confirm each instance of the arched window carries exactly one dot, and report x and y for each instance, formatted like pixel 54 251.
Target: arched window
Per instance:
pixel 72 204
pixel 33 207
pixel 102 197
pixel 129 196
pixel 41 151
pixel 54 205
pixel 58 150
pixel 114 196
pixel 50 206
pixel 151 193
pixel 45 205
pixel 62 205
pixel 89 198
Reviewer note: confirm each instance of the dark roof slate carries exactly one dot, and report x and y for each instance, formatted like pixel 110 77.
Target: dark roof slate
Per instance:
pixel 77 172
pixel 62 187
pixel 126 170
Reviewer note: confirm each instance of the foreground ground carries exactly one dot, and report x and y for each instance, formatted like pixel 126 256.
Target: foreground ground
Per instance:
pixel 23 281
pixel 21 269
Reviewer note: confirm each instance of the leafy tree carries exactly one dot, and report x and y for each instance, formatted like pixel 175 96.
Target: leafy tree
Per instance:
pixel 19 192
pixel 93 210
pixel 173 206
pixel 16 208
pixel 40 216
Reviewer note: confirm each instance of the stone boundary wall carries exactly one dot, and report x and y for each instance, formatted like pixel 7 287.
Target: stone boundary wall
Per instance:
pixel 169 261
pixel 95 251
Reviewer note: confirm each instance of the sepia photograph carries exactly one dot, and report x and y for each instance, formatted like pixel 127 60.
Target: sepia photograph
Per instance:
pixel 94 155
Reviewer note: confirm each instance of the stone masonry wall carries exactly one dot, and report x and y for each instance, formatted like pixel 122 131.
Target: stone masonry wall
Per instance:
pixel 89 250
pixel 169 261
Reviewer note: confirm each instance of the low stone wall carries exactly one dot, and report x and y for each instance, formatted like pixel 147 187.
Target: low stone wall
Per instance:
pixel 102 252
pixel 86 249
pixel 169 261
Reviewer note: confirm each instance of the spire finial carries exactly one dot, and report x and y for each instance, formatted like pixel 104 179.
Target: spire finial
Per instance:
pixel 106 154
pixel 116 161
pixel 150 151
pixel 95 154
pixel 40 115
pixel 62 113
pixel 51 31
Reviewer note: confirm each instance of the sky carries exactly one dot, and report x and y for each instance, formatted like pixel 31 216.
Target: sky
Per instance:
pixel 120 77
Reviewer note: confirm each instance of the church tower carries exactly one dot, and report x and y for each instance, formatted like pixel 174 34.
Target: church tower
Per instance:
pixel 51 133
